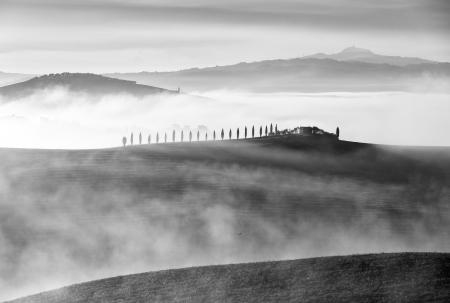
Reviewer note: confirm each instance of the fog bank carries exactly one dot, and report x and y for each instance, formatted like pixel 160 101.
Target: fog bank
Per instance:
pixel 59 119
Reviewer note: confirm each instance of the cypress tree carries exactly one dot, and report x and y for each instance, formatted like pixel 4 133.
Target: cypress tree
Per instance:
pixel 140 138
pixel 165 137
pixel 229 135
pixel 149 139
pixel 182 136
pixel 190 136
pixel 214 135
pixel 266 130
pixel 237 133
pixel 260 131
pixel 222 134
pixel 173 136
pixel 124 141
pixel 157 137
pixel 246 132
pixel 198 135
pixel 253 131
pixel 131 139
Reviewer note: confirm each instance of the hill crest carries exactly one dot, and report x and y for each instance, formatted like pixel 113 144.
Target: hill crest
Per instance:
pixel 80 83
pixel 395 277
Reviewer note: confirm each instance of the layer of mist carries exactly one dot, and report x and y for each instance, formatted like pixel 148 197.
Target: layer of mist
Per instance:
pixel 59 119
pixel 73 216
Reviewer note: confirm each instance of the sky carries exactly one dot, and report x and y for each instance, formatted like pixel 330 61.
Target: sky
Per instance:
pixel 102 36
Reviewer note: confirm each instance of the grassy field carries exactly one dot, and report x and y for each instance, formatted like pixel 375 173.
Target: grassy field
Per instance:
pixel 80 215
pixel 403 277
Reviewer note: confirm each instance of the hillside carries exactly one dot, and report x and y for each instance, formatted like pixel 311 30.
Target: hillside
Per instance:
pixel 11 78
pixel 91 214
pixel 406 277
pixel 91 84
pixel 351 70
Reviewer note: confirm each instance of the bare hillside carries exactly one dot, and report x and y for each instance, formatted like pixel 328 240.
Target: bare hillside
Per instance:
pixel 404 277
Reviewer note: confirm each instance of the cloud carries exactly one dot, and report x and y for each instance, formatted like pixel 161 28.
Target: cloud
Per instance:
pixel 344 13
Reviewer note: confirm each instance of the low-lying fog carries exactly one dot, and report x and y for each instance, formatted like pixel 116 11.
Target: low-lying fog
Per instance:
pixel 74 216
pixel 58 119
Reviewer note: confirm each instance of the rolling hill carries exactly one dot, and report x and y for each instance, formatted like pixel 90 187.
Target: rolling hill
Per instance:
pixel 353 69
pixel 92 214
pixel 11 78
pixel 91 84
pixel 405 277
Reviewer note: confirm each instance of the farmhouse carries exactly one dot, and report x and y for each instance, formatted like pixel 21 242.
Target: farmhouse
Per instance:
pixel 304 131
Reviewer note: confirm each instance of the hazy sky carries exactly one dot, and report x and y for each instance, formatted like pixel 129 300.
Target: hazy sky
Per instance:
pixel 41 36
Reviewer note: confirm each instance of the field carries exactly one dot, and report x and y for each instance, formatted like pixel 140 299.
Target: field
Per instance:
pixel 408 277
pixel 73 216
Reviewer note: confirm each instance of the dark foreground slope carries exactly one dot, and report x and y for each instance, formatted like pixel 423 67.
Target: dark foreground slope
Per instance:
pixel 404 277
pixel 74 216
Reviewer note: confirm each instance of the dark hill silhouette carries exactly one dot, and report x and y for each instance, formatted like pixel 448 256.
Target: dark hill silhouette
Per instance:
pixel 80 83
pixel 407 277
pixel 351 70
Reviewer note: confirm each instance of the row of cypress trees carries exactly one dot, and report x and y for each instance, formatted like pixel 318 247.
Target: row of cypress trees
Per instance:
pixel 268 131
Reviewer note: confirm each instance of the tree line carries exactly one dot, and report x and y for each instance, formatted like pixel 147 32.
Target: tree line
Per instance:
pixel 268 130
pixel 263 132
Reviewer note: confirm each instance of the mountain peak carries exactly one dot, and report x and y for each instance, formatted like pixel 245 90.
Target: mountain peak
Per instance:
pixel 354 53
pixel 356 50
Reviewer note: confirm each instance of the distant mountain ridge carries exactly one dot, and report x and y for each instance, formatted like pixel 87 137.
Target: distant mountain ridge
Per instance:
pixel 364 55
pixel 353 69
pixel 80 83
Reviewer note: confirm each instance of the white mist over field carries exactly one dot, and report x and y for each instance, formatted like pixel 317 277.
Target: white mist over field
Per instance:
pixel 60 119
pixel 73 216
